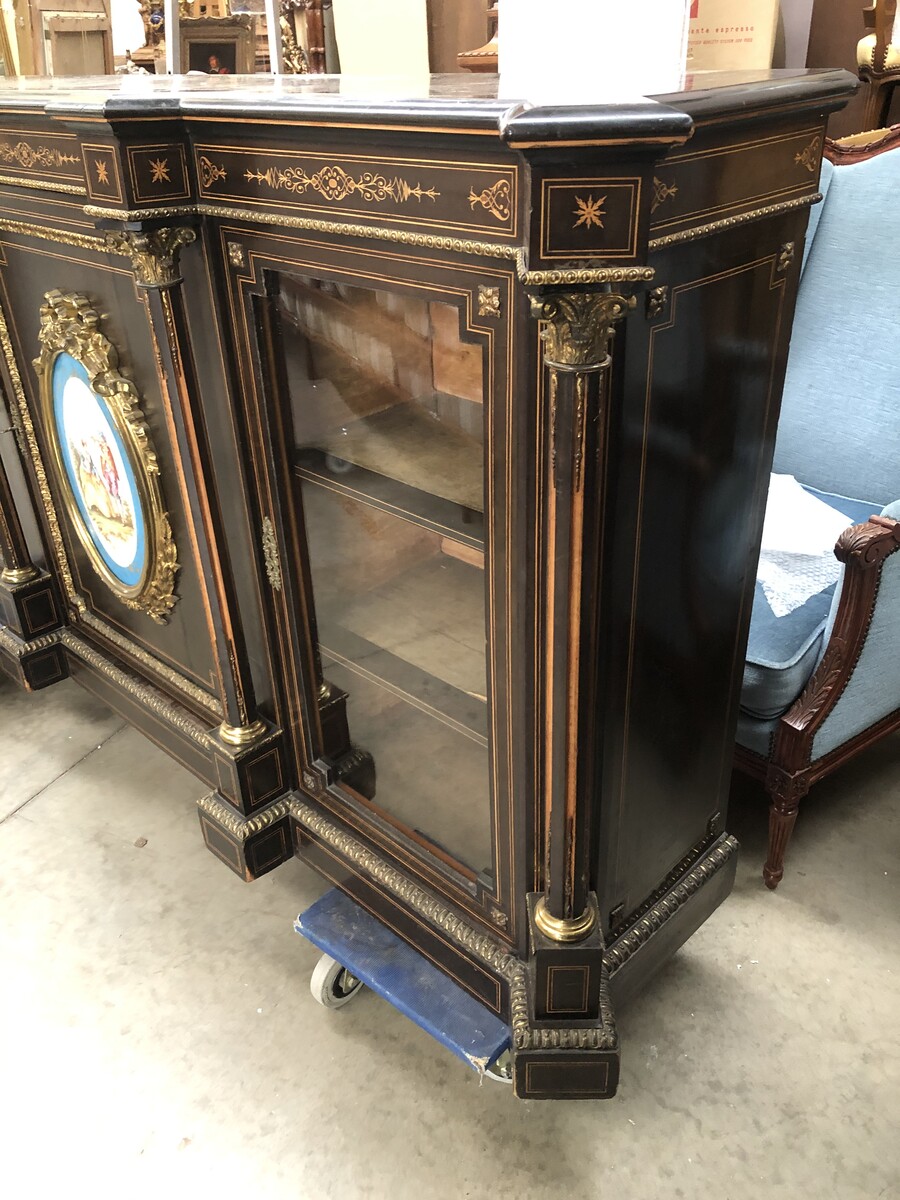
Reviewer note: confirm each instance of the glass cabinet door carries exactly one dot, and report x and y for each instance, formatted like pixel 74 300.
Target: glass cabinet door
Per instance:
pixel 388 423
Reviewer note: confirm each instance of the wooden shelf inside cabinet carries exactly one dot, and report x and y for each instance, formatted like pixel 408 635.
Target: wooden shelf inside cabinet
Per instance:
pixel 460 525
pixel 404 442
pixel 419 633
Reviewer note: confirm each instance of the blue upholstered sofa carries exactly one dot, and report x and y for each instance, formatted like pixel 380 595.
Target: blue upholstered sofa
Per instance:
pixel 823 682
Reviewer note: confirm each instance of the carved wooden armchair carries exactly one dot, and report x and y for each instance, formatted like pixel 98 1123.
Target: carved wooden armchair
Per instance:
pixel 823 682
pixel 878 60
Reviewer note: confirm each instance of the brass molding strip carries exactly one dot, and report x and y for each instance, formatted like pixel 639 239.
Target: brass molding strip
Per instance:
pixel 71 189
pixel 197 694
pixel 242 829
pixel 568 275
pixel 146 695
pixel 84 241
pixel 27 425
pixel 755 214
pixel 379 233
pixel 18 648
pixel 667 906
pixel 472 941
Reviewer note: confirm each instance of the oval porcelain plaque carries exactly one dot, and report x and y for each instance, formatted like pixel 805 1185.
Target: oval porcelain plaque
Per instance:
pixel 106 501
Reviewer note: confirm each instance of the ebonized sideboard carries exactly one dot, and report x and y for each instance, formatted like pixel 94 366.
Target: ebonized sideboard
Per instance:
pixel 397 463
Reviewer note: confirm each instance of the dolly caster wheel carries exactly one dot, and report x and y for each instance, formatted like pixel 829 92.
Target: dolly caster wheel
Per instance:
pixel 332 985
pixel 501 1070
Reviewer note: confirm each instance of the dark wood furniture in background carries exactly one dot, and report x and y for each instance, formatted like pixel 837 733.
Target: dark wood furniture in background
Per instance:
pixel 879 63
pixel 448 424
pixel 483 58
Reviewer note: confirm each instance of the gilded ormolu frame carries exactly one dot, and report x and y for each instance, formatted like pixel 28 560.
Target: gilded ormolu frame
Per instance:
pixel 70 325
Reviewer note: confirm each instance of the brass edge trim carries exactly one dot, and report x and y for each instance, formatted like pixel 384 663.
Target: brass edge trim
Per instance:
pixel 479 945
pixel 85 241
pixel 561 929
pixel 27 424
pixel 139 214
pixel 656 916
pixel 377 233
pixel 242 829
pixel 71 189
pixel 756 214
pixel 205 699
pixel 404 237
pixel 144 693
pixel 563 275
pixel 18 648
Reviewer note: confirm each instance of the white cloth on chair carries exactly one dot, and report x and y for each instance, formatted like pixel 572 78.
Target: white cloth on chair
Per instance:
pixel 797 556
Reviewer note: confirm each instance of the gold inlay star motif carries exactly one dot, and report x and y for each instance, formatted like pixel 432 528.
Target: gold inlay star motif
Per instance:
pixel 159 170
pixel 102 171
pixel 589 212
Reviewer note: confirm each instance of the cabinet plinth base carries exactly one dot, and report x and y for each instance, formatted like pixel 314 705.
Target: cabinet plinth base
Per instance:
pixel 566 1074
pixel 251 846
pixel 251 776
pixel 29 607
pixel 32 664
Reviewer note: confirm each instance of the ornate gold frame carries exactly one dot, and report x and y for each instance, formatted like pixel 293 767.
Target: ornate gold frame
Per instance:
pixel 69 324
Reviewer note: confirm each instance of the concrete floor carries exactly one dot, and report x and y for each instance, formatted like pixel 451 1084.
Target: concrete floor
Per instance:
pixel 158 1036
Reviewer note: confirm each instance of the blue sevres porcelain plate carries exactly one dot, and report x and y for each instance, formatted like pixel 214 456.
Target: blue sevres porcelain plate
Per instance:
pixel 101 478
pixel 105 468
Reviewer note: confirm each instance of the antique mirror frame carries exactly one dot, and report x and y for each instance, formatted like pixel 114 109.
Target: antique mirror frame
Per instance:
pixel 69 325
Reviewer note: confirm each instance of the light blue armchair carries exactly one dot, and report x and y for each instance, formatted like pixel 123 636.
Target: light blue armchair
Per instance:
pixel 823 682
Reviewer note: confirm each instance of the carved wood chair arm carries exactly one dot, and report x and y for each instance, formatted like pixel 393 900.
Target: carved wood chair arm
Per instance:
pixel 879 18
pixel 863 550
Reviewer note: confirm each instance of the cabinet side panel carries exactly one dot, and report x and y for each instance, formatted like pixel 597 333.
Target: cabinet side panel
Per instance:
pixel 693 441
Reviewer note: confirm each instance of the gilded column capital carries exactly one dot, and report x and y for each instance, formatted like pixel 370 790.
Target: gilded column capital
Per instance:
pixel 578 327
pixel 153 252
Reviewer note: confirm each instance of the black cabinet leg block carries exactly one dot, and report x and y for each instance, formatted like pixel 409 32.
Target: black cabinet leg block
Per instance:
pixel 30 609
pixel 32 665
pixel 251 846
pixel 569 1047
pixel 253 776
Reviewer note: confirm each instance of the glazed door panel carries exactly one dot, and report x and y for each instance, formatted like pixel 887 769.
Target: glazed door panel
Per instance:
pixel 389 400
pixel 388 428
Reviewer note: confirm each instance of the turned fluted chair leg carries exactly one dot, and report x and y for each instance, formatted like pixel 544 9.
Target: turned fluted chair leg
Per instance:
pixel 786 789
pixel 781 826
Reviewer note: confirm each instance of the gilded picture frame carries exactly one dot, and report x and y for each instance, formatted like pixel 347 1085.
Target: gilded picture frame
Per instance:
pixel 219 45
pixel 102 457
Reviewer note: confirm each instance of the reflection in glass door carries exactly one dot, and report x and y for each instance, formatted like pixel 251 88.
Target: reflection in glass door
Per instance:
pixel 388 419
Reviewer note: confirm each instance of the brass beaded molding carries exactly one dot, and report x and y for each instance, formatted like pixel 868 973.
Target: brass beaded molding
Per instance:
pixel 242 828
pixel 18 648
pixel 426 241
pixel 39 471
pixel 147 695
pixel 71 189
pixel 666 907
pixel 479 945
pixel 201 697
pixel 755 214
pixel 85 241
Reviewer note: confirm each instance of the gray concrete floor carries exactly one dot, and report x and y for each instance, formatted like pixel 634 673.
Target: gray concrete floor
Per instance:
pixel 157 1035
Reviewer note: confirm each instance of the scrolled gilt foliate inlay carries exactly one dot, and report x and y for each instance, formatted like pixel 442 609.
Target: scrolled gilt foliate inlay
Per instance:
pixel 578 327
